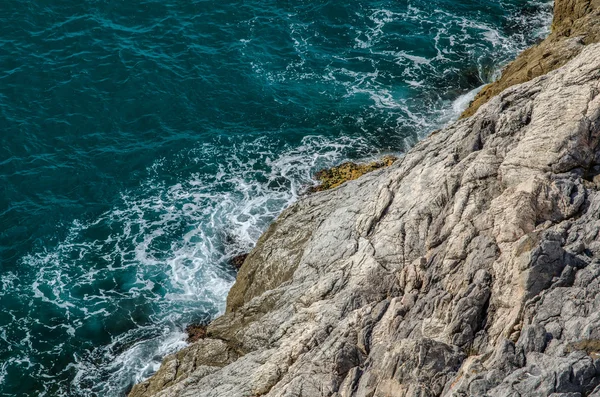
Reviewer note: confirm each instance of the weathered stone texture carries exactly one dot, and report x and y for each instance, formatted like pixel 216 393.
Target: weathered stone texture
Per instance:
pixel 471 267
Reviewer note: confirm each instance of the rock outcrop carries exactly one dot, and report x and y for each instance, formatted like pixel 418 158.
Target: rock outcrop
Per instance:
pixel 470 267
pixel 576 24
pixel 331 178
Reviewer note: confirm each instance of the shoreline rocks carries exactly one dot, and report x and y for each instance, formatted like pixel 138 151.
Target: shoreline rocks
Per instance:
pixel 469 267
pixel 238 260
pixel 576 24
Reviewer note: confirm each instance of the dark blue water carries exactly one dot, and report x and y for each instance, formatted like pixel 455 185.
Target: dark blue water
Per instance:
pixel 143 143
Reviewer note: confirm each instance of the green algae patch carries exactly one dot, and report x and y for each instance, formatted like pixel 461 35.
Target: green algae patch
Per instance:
pixel 331 178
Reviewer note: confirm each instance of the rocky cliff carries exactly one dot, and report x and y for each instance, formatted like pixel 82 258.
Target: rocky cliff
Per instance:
pixel 470 267
pixel 576 24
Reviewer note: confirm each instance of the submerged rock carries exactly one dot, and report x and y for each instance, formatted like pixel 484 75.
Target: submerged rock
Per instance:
pixel 470 267
pixel 333 177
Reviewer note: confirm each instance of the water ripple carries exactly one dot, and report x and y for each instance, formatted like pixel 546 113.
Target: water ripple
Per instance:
pixel 143 144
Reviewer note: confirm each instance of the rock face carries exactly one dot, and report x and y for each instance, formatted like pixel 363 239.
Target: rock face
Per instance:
pixel 576 24
pixel 470 267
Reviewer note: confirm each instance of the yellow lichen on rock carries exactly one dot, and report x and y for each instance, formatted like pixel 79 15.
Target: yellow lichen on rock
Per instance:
pixel 576 24
pixel 333 177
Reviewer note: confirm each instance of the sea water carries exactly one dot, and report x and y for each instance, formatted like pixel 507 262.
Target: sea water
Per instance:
pixel 145 143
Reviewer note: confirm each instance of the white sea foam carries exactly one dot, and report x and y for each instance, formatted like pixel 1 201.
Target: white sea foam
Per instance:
pixel 3 369
pixel 362 73
pixel 168 242
pixel 462 102
pixel 379 19
pixel 172 238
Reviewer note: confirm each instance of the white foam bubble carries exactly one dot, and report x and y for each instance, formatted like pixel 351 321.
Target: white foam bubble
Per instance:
pixel 462 102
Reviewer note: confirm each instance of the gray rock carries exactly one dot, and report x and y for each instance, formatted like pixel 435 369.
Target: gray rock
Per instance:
pixel 471 267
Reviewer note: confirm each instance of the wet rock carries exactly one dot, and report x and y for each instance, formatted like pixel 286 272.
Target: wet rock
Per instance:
pixel 238 260
pixel 195 332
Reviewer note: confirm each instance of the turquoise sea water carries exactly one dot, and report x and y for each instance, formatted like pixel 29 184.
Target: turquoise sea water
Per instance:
pixel 144 143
